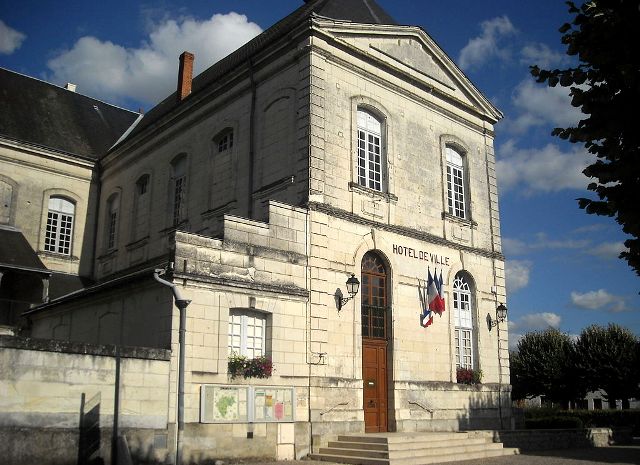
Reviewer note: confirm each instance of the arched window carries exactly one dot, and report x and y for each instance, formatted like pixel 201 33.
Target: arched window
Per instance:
pixel 374 297
pixel 59 232
pixel 179 188
pixel 141 207
pixel 370 151
pixel 456 183
pixel 113 213
pixel 464 327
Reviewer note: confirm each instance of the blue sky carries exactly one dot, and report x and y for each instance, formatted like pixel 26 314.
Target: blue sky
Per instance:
pixel 562 269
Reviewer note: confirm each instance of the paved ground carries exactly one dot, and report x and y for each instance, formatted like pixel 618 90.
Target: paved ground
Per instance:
pixel 615 455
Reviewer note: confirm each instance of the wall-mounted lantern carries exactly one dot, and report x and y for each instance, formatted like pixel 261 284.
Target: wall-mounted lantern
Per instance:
pixel 501 316
pixel 353 285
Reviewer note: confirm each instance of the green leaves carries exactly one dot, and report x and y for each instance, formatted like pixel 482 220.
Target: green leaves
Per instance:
pixel 552 364
pixel 606 87
pixel 542 367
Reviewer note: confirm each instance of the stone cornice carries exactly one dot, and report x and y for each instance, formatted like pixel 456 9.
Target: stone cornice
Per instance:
pixel 402 230
pixel 226 283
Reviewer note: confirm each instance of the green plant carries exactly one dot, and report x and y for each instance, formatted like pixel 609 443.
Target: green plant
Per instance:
pixel 258 367
pixel 468 376
pixel 591 418
pixel 236 365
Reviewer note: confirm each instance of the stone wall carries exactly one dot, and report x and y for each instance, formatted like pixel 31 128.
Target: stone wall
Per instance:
pixel 550 439
pixel 113 314
pixel 268 151
pixel 57 397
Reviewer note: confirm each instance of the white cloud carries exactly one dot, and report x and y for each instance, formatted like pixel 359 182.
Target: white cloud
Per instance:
pixel 517 274
pixel 607 250
pixel 512 247
pixel 531 322
pixel 10 39
pixel 599 300
pixel 591 228
pixel 543 241
pixel 149 73
pixel 487 45
pixel 535 322
pixel 539 105
pixel 543 56
pixel 547 169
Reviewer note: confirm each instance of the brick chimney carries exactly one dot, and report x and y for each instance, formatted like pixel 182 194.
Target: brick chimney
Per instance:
pixel 185 75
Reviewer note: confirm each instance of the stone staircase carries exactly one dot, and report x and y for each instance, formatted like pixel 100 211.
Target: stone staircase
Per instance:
pixel 411 448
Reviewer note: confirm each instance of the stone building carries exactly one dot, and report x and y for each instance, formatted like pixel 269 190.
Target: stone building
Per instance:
pixel 335 144
pixel 50 141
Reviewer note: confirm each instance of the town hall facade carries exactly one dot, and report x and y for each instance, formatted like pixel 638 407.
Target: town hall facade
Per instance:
pixel 335 145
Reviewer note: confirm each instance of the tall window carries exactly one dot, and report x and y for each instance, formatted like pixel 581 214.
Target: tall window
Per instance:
pixel 455 183
pixel 141 207
pixel 113 211
pixel 370 156
pixel 179 188
pixel 247 331
pixel 59 226
pixel 374 297
pixel 464 322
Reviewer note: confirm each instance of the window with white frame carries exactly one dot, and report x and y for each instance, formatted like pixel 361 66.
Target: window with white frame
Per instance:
pixel 455 183
pixel 59 231
pixel 179 189
pixel 247 333
pixel 113 212
pixel 370 151
pixel 141 207
pixel 463 316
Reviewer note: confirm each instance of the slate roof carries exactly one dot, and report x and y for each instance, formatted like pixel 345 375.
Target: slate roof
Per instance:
pixel 61 284
pixel 49 116
pixel 358 11
pixel 16 252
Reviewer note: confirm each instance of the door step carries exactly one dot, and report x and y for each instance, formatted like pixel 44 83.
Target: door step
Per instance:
pixel 410 449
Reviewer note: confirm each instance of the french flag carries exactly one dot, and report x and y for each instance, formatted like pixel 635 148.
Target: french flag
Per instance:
pixel 436 304
pixel 426 317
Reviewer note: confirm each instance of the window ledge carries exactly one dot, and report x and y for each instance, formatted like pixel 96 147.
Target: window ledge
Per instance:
pixel 58 256
pixel 107 254
pixel 460 221
pixel 137 243
pixel 171 229
pixel 219 210
pixel 387 196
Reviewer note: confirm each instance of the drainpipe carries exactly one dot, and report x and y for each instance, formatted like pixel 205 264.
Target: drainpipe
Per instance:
pixel 252 143
pixel 96 220
pixel 182 306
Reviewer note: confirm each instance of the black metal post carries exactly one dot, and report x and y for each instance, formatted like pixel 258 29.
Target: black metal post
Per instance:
pixel 116 410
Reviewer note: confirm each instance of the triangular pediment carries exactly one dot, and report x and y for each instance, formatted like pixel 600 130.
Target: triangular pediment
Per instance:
pixel 413 55
pixel 410 51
